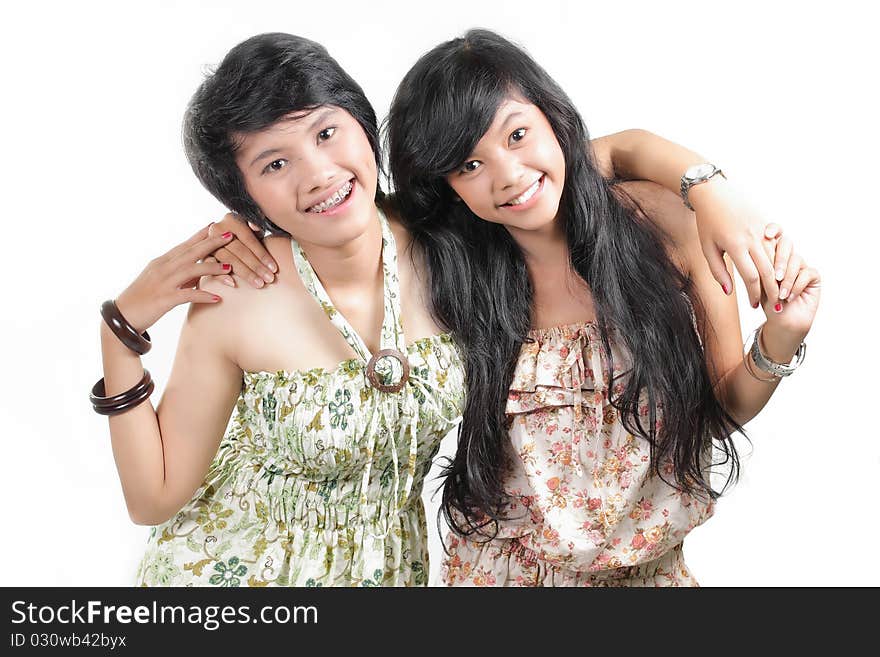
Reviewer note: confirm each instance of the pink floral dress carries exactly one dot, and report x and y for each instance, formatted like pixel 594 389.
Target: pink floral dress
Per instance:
pixel 585 510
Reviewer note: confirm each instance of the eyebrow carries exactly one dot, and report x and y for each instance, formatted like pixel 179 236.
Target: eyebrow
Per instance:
pixel 322 116
pixel 511 116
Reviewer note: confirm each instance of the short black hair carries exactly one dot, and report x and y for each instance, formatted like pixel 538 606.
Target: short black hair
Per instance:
pixel 261 80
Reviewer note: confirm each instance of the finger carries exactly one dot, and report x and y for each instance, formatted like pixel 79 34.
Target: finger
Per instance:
pixel 806 277
pixel 772 231
pixel 765 270
pixel 239 268
pixel 784 248
pixel 223 255
pixel 749 273
pixel 769 246
pixel 226 279
pixel 715 260
pixel 223 225
pixel 204 248
pixel 188 295
pixel 252 242
pixel 253 269
pixel 189 275
pixel 795 264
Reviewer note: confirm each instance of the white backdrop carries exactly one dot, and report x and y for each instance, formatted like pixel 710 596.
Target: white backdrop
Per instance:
pixel 782 95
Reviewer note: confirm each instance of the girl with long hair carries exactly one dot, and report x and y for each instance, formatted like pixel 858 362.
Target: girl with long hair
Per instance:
pixel 604 367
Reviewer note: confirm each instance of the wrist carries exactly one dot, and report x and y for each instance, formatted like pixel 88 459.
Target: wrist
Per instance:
pixel 129 309
pixel 779 344
pixel 708 192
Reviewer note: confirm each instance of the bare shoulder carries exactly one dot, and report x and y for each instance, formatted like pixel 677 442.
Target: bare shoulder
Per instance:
pixel 668 215
pixel 220 323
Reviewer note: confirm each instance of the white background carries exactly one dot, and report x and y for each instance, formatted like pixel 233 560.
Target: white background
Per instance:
pixel 95 184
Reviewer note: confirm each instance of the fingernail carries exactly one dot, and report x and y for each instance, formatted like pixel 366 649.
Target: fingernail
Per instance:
pixel 226 267
pixel 271 265
pixel 778 307
pixel 783 292
pixel 226 235
pixel 228 281
pixel 215 298
pixel 724 287
pixel 258 282
pixel 755 305
pixel 268 278
pixel 780 274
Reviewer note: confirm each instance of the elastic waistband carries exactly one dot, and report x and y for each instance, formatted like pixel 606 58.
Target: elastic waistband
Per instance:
pixel 646 569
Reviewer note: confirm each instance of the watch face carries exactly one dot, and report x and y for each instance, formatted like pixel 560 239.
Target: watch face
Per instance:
pixel 699 171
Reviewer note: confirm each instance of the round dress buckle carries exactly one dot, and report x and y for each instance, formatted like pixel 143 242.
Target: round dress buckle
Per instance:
pixel 382 372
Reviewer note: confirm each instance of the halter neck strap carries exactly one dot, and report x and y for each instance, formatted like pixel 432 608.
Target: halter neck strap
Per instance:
pixel 392 331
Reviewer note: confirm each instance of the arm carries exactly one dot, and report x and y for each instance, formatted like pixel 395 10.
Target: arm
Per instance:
pixel 162 456
pixel 726 224
pixel 742 395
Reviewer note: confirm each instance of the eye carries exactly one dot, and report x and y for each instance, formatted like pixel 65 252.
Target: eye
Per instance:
pixel 517 135
pixel 275 165
pixel 470 166
pixel 326 133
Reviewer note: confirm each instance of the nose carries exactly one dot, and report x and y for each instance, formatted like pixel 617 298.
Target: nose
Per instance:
pixel 318 172
pixel 510 172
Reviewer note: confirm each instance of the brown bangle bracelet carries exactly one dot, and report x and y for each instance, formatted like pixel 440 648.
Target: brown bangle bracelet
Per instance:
pixel 100 401
pixel 128 405
pixel 137 342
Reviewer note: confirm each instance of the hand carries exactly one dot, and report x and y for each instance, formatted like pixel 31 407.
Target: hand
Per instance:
pixel 170 279
pixel 795 315
pixel 245 253
pixel 727 224
pixel 786 328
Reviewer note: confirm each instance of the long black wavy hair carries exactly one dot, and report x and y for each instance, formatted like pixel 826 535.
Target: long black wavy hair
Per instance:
pixel 481 290
pixel 260 81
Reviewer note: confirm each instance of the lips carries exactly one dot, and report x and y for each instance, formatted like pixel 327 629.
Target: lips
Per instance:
pixel 334 199
pixel 526 195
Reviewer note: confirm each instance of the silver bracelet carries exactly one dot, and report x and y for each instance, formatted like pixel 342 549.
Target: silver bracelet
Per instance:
pixel 766 365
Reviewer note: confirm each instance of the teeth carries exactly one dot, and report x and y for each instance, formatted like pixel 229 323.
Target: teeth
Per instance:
pixel 337 198
pixel 526 195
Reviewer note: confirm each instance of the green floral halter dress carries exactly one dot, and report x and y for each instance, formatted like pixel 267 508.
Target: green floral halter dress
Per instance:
pixel 318 479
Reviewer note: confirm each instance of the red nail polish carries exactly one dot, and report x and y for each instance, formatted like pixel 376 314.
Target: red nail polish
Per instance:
pixel 226 267
pixel 724 287
pixel 215 298
pixel 755 305
pixel 778 307
pixel 226 235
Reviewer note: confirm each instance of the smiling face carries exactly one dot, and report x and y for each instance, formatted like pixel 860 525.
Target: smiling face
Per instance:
pixel 313 174
pixel 516 172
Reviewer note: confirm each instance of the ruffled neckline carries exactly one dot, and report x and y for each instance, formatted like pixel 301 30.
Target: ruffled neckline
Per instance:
pixel 563 330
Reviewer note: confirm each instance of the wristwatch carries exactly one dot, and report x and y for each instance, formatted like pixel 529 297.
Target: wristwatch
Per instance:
pixel 696 174
pixel 776 369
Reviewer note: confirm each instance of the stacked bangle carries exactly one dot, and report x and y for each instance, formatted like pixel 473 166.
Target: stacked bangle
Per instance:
pixel 124 401
pixel 747 361
pixel 137 342
pixel 754 359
